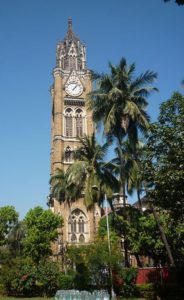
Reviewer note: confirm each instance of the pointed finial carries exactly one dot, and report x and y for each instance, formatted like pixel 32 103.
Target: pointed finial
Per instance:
pixel 70 31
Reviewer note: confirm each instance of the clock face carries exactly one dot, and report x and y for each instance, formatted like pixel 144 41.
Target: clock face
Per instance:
pixel 74 89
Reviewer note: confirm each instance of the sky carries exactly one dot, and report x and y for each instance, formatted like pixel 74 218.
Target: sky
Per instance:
pixel 147 32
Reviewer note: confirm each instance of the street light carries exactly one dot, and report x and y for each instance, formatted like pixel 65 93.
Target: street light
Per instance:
pixel 108 240
pixel 109 246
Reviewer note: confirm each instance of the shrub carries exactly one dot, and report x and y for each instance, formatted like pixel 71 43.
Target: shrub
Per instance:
pixel 19 279
pixel 26 279
pixel 66 281
pixel 128 287
pixel 47 278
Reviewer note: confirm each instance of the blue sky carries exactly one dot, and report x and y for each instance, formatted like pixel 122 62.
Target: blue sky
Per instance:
pixel 148 32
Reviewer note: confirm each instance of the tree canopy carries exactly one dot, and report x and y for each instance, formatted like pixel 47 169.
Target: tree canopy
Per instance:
pixel 42 228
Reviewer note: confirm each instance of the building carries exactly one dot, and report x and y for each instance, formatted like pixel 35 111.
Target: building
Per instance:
pixel 70 120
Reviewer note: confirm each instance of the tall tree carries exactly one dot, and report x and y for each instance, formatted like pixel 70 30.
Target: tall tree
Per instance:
pixel 164 164
pixel 120 101
pixel 89 174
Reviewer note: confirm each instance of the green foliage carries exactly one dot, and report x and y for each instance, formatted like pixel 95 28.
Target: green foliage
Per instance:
pixel 87 172
pixel 164 163
pixel 41 231
pixel 48 274
pixel 163 169
pixel 128 288
pixel 66 281
pixel 92 262
pixel 145 286
pixel 121 99
pixel 24 278
pixel 8 219
pixel 142 234
pixel 18 276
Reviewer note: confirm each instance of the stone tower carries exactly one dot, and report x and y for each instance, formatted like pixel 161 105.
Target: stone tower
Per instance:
pixel 70 120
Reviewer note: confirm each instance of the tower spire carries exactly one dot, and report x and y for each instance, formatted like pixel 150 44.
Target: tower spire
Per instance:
pixel 70 30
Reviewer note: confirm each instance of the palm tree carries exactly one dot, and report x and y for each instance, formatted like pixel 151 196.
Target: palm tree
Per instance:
pixel 58 184
pixel 89 174
pixel 125 167
pixel 120 101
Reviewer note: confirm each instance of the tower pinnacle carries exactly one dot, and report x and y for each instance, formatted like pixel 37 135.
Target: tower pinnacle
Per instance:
pixel 70 30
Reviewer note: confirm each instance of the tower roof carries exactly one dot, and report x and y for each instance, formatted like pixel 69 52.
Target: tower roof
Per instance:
pixel 71 52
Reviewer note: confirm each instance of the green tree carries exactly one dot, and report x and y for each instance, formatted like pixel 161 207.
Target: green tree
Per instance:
pixel 142 234
pixel 42 228
pixel 8 219
pixel 59 187
pixel 89 173
pixel 120 101
pixel 15 238
pixel 163 163
pixel 164 166
pixel 92 261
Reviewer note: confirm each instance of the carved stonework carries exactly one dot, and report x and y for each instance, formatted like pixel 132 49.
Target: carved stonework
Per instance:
pixel 71 53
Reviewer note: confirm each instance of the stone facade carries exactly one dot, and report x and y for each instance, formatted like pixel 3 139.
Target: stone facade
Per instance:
pixel 70 120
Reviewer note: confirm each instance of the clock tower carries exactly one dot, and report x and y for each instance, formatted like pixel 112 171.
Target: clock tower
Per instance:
pixel 70 120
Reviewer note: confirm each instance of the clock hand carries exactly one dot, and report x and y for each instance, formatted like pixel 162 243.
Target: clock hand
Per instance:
pixel 74 88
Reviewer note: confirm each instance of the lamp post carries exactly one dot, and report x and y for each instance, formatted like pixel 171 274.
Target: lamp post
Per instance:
pixel 109 247
pixel 112 293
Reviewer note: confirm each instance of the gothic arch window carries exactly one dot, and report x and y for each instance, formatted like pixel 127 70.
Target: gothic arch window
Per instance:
pixel 73 238
pixel 68 122
pixel 77 226
pixel 79 123
pixel 68 154
pixel 81 238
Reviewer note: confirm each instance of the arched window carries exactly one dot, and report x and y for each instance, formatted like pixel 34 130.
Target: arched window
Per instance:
pixel 81 224
pixel 77 226
pixel 73 238
pixel 79 123
pixel 81 238
pixel 68 154
pixel 68 122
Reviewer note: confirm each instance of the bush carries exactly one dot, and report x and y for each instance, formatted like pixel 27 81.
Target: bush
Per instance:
pixel 146 290
pixel 145 286
pixel 66 281
pixel 19 278
pixel 47 278
pixel 127 278
pixel 26 279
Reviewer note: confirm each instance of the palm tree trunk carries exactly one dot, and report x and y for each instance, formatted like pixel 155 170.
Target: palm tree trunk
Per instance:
pixel 139 200
pixel 127 264
pixel 163 236
pixel 162 233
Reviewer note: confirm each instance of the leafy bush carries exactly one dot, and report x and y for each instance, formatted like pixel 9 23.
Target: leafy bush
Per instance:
pixel 145 286
pixel 128 287
pixel 18 278
pixel 47 278
pixel 23 278
pixel 66 281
